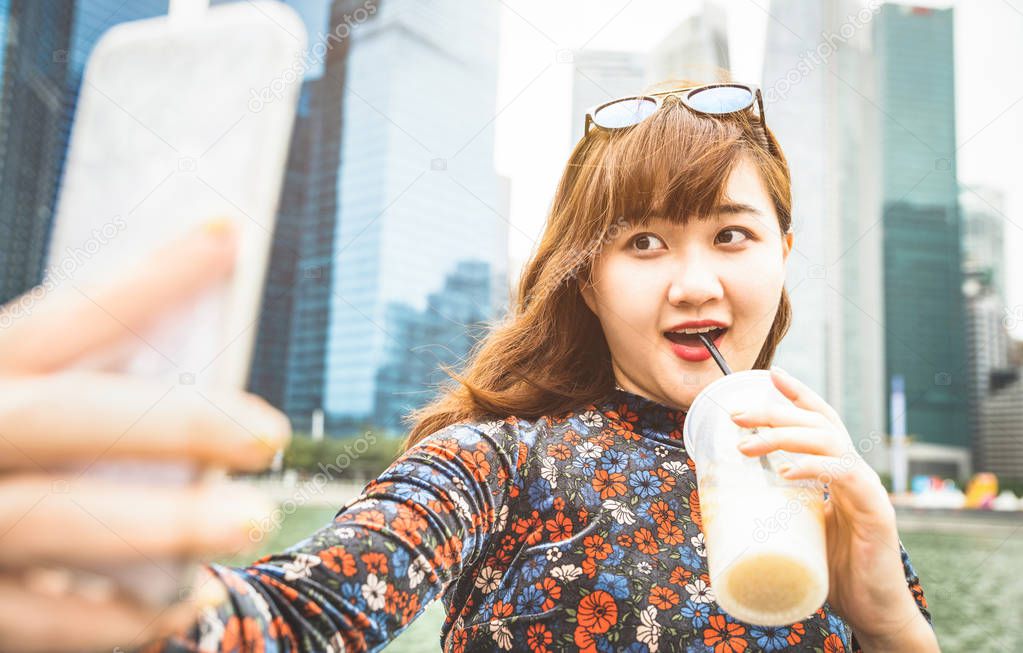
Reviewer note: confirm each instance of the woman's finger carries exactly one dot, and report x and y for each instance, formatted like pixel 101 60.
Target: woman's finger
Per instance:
pixel 796 439
pixel 43 334
pixel 851 480
pixel 47 519
pixel 33 619
pixel 802 396
pixel 780 414
pixel 67 418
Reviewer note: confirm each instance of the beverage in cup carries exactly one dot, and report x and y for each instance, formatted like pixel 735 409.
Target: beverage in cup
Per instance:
pixel 764 534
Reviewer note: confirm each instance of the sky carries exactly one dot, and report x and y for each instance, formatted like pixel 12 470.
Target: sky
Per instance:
pixel 533 124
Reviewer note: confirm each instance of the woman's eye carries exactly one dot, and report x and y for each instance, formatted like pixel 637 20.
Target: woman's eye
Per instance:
pixel 646 242
pixel 746 235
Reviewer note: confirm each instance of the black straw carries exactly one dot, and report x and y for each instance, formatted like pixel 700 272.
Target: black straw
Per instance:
pixel 709 344
pixel 719 359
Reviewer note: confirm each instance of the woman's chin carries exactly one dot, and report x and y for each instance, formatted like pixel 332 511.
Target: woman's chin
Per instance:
pixel 682 397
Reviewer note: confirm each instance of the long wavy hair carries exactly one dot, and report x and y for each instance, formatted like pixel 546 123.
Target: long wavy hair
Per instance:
pixel 548 355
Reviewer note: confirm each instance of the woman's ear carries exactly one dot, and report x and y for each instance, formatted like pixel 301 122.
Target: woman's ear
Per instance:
pixel 787 246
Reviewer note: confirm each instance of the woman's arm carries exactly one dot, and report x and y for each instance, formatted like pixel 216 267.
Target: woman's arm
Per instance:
pixel 359 581
pixel 917 633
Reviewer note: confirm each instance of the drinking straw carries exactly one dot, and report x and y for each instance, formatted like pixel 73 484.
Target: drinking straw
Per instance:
pixel 720 360
pixel 709 344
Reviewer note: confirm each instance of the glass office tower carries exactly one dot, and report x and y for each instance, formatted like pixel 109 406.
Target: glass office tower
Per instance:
pixel 924 319
pixel 43 50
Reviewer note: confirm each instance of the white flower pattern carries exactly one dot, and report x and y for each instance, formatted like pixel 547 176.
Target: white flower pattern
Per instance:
pixel 300 566
pixel 649 631
pixel 700 592
pixel 374 591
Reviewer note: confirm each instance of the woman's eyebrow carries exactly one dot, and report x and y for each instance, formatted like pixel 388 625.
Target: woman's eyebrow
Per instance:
pixel 734 208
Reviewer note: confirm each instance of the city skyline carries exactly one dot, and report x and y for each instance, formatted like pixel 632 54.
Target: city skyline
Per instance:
pixel 534 124
pixel 399 143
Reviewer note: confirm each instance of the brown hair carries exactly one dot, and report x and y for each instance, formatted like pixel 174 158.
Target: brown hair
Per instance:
pixel 549 354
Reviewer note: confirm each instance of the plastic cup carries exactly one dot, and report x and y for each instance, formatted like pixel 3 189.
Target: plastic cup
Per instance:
pixel 764 534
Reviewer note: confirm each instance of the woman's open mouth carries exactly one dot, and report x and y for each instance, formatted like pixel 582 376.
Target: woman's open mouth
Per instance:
pixel 688 346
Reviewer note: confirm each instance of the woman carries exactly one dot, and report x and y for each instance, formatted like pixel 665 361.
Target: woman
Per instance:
pixel 547 498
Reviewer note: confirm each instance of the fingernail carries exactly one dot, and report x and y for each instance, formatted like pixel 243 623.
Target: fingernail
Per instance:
pixel 738 414
pixel 746 443
pixel 777 369
pixel 218 227
pixel 784 469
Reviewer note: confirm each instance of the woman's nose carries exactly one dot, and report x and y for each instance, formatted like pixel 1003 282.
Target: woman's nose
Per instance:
pixel 694 281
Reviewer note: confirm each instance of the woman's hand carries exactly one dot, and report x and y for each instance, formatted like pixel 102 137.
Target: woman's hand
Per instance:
pixel 55 423
pixel 867 581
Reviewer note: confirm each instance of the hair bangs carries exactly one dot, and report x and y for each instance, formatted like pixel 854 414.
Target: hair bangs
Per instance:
pixel 674 165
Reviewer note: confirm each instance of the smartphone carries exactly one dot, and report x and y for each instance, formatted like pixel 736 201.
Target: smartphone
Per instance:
pixel 166 134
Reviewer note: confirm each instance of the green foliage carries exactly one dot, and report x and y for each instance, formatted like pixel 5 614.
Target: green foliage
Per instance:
pixel 364 455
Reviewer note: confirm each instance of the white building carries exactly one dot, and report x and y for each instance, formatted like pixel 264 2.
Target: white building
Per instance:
pixel 817 82
pixel 417 190
pixel 697 49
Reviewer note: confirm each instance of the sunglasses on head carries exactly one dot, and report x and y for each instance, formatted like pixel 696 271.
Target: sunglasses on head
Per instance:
pixel 708 99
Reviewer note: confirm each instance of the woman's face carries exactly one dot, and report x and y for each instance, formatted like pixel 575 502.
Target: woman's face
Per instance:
pixel 650 279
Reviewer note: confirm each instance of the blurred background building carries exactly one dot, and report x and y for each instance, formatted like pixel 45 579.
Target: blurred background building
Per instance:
pixel 43 50
pixel 830 134
pixel 923 317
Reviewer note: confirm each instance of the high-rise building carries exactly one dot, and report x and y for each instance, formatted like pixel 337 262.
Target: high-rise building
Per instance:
pixel 44 49
pixel 983 250
pixel 987 338
pixel 417 190
pixel 697 49
pixel 987 347
pixel 1000 446
pixel 440 335
pixel 923 310
pixel 816 95
pixel 291 349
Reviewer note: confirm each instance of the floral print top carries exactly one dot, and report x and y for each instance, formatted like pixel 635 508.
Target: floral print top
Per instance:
pixel 575 532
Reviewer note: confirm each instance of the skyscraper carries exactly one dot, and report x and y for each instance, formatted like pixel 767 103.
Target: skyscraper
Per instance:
pixel 288 365
pixel 987 347
pixel 1001 428
pixel 923 318
pixel 987 338
pixel 45 47
pixel 983 250
pixel 441 334
pixel 817 84
pixel 417 190
pixel 696 49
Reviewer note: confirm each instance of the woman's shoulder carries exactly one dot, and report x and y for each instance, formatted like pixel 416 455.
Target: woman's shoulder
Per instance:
pixel 509 435
pixel 526 429
pixel 517 435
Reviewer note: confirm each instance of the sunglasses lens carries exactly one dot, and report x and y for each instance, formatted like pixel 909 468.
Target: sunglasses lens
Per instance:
pixel 624 113
pixel 721 99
